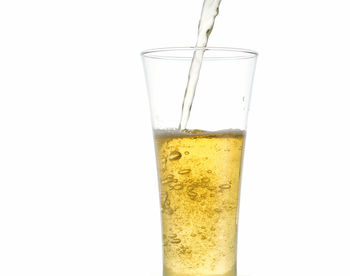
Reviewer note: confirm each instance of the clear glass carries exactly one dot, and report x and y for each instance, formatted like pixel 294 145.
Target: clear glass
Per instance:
pixel 199 169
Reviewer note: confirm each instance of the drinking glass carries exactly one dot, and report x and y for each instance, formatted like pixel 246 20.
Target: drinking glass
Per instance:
pixel 199 167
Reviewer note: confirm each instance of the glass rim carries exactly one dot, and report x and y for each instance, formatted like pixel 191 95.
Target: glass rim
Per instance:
pixel 226 53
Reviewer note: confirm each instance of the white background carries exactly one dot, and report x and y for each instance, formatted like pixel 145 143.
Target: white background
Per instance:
pixel 78 191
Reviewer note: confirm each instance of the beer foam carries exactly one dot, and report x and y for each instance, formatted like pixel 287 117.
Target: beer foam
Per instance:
pixel 173 132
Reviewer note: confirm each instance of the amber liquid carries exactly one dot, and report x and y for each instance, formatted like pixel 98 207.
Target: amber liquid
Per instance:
pixel 199 178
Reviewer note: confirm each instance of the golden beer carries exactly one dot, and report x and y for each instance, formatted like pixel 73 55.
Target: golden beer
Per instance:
pixel 199 179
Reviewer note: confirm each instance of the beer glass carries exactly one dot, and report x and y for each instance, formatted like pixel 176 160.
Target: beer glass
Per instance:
pixel 199 167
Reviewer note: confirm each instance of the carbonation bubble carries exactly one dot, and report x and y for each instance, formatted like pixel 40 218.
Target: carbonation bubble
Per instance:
pixel 190 188
pixel 178 187
pixel 168 179
pixel 175 241
pixel 225 186
pixel 166 200
pixel 175 155
pixel 184 171
pixel 192 195
pixel 187 153
pixel 185 250
pixel 170 211
pixel 205 182
pixel 163 163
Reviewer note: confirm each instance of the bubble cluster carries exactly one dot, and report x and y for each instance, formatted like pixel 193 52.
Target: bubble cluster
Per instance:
pixel 184 250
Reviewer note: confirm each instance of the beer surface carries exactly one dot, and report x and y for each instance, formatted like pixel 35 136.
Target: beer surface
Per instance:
pixel 199 178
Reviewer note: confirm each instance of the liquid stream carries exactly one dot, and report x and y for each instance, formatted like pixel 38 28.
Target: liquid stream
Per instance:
pixel 206 24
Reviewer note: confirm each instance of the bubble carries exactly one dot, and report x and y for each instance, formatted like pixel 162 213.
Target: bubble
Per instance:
pixel 163 163
pixel 209 171
pixel 166 202
pixel 184 250
pixel 168 179
pixel 211 188
pixel 192 195
pixel 178 187
pixel 205 182
pixel 175 155
pixel 173 236
pixel 218 210
pixel 190 188
pixel 193 235
pixel 225 186
pixel 175 241
pixel 187 153
pixel 169 211
pixel 184 171
pixel 170 183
